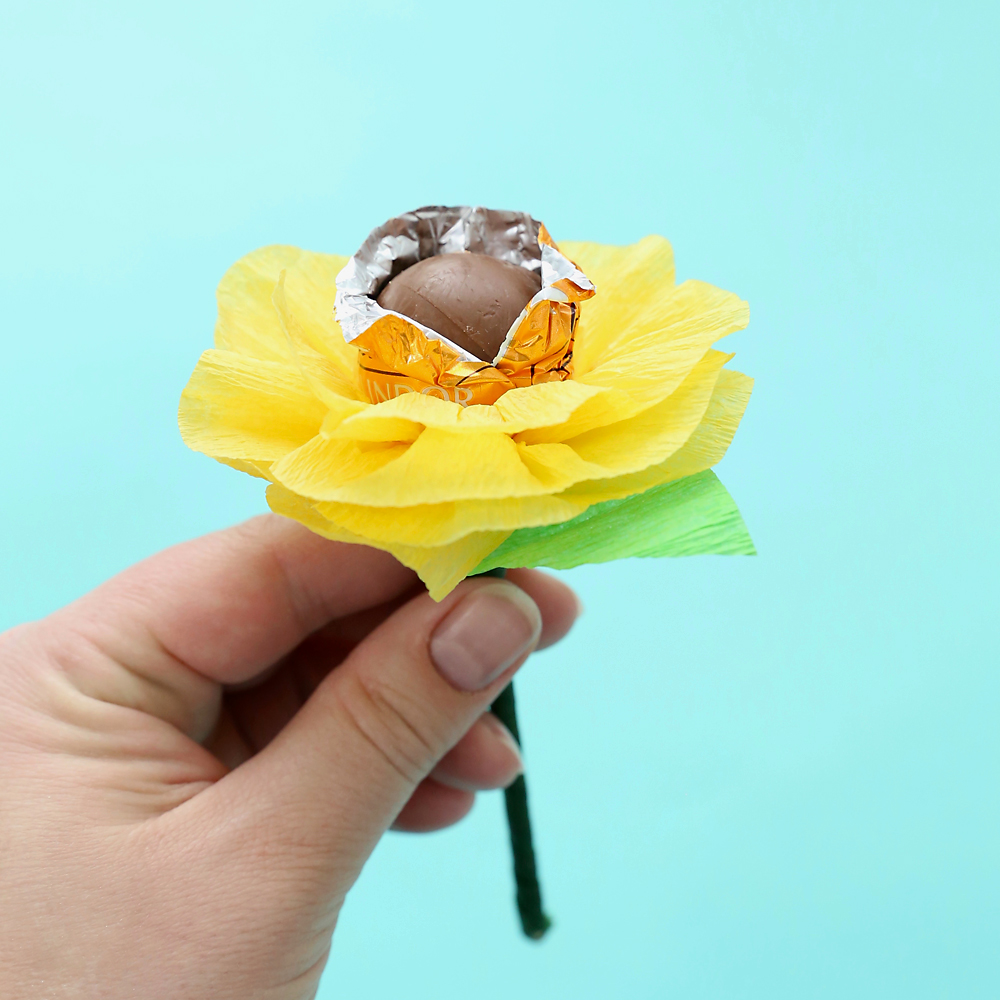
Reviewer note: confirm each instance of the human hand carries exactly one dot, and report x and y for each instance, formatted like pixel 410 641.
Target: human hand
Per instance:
pixel 188 788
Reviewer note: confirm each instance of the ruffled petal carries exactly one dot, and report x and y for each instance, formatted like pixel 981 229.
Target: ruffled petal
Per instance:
pixel 541 405
pixel 259 470
pixel 604 407
pixel 247 323
pixel 321 468
pixel 441 486
pixel 315 340
pixel 657 432
pixel 291 505
pixel 628 279
pixel 441 568
pixel 652 356
pixel 310 339
pixel 706 446
pixel 441 524
pixel 633 444
pixel 440 466
pixel 239 407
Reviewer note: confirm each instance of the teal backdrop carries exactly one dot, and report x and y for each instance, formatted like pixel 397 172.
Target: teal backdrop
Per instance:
pixel 772 777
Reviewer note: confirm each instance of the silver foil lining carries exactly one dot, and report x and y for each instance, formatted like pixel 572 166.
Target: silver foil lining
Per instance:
pixel 433 230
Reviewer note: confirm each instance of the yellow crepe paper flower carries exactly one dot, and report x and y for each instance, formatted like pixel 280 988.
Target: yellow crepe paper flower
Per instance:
pixel 438 485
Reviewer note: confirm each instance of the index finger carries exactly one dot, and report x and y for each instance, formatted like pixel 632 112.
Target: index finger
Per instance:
pixel 229 604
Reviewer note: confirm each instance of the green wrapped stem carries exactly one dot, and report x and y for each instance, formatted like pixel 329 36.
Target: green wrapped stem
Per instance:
pixel 534 921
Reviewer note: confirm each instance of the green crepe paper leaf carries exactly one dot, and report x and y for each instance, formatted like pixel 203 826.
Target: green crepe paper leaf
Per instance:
pixel 688 517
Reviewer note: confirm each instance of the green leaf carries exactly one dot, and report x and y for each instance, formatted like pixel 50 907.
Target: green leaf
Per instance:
pixel 688 517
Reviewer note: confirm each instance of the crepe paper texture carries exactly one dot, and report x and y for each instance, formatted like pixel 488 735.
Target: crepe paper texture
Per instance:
pixel 693 516
pixel 542 476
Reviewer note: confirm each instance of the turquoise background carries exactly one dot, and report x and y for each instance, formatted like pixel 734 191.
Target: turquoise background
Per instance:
pixel 771 777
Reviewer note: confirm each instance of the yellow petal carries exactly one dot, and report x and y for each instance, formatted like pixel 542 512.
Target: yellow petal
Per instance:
pixel 605 407
pixel 627 279
pixel 657 432
pixel 540 405
pixel 441 524
pixel 239 407
pixel 247 323
pixel 610 408
pixel 651 357
pixel 449 465
pixel 382 429
pixel 440 466
pixel 305 311
pixel 291 505
pixel 709 443
pixel 259 470
pixel 557 466
pixel 633 444
pixel 323 466
pixel 441 568
pixel 546 404
pixel 706 446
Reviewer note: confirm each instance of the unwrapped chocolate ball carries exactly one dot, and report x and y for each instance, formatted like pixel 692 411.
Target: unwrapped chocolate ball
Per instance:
pixel 470 299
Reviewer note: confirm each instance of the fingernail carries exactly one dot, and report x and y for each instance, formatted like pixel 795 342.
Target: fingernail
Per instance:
pixel 484 634
pixel 504 735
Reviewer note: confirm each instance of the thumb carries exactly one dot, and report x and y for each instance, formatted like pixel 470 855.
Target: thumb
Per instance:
pixel 337 776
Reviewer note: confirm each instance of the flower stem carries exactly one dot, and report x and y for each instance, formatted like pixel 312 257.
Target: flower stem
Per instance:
pixel 534 921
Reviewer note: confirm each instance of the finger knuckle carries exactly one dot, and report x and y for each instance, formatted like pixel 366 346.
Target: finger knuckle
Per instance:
pixel 393 724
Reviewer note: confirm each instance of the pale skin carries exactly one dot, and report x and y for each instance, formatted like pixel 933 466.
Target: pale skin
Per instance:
pixel 197 758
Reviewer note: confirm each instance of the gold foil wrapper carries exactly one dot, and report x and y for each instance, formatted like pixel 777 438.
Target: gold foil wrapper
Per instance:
pixel 398 355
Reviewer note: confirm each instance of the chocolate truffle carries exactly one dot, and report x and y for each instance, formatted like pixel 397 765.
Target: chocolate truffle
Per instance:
pixel 469 298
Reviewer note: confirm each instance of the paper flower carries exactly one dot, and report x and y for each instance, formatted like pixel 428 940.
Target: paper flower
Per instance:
pixel 611 462
pixel 589 434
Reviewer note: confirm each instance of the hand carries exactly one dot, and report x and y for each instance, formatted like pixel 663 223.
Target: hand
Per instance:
pixel 197 758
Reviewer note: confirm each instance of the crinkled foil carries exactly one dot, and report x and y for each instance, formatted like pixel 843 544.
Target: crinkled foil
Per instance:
pixel 399 355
